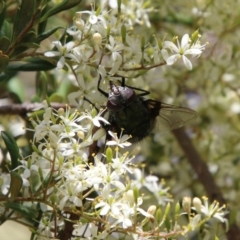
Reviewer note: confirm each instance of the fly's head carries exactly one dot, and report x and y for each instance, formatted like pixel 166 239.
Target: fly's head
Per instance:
pixel 119 97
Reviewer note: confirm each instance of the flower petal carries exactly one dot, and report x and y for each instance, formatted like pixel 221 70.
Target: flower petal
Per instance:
pixel 61 63
pixel 185 41
pixel 187 62
pixel 172 59
pixel 171 46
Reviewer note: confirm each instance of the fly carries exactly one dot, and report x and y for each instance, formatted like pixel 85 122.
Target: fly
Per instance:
pixel 137 116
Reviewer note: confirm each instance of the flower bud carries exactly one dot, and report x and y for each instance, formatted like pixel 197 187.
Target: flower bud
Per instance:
pixel 186 203
pixel 60 111
pixel 109 155
pixel 80 25
pixel 130 197
pixel 197 203
pixel 94 112
pixel 123 33
pixel 80 135
pixel 97 38
pixel 159 215
pixel 136 193
pixel 151 210
pixel 177 208
pixel 195 36
pixel 167 210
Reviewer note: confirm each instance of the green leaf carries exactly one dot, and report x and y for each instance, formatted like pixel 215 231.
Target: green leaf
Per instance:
pixel 4 44
pixel 16 185
pixel 4 60
pixel 15 86
pixel 24 210
pixel 12 148
pixel 23 18
pixel 64 5
pixel 3 77
pixel 56 98
pixel 28 41
pixel 41 84
pixel 2 12
pixel 33 64
pixel 46 34
pixel 42 25
pixel 6 30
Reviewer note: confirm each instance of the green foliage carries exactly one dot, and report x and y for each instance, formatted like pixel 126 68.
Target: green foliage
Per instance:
pixel 12 148
pixel 16 40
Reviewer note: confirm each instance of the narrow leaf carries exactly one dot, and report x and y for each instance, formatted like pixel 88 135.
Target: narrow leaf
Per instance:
pixel 4 60
pixel 23 18
pixel 33 64
pixel 4 43
pixel 28 212
pixel 64 5
pixel 42 25
pixel 46 34
pixel 12 148
pixel 16 185
pixel 6 30
pixel 2 12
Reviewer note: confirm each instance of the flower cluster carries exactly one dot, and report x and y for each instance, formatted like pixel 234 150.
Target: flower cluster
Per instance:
pixel 105 188
pixel 103 43
pixel 61 169
pixel 204 212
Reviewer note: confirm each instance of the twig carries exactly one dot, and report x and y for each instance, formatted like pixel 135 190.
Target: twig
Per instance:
pixel 23 109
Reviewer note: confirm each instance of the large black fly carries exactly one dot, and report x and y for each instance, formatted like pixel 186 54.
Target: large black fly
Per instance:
pixel 136 116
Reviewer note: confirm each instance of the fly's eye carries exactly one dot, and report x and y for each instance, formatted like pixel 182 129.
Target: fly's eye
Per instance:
pixel 119 99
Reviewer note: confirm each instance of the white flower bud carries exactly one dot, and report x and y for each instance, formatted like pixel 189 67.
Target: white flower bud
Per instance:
pixel 80 134
pixel 197 203
pixel 152 209
pixel 97 38
pixel 186 203
pixel 130 197
pixel 60 111
pixel 80 25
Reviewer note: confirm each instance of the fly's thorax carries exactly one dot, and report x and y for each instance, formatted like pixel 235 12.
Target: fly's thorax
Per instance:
pixel 134 119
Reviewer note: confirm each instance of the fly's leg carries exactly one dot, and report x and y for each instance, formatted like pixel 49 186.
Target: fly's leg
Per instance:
pixel 144 92
pixel 99 89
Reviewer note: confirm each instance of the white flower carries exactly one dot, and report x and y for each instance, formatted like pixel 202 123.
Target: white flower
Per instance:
pixel 115 47
pixel 94 119
pixel 214 210
pixel 93 18
pixel 181 51
pixel 63 51
pixel 108 205
pixel 152 184
pixel 120 164
pixel 5 180
pixel 89 231
pixel 122 142
pixel 124 217
pixel 133 49
pixel 71 191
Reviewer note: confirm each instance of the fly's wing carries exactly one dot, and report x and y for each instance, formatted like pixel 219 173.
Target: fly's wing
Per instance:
pixel 170 117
